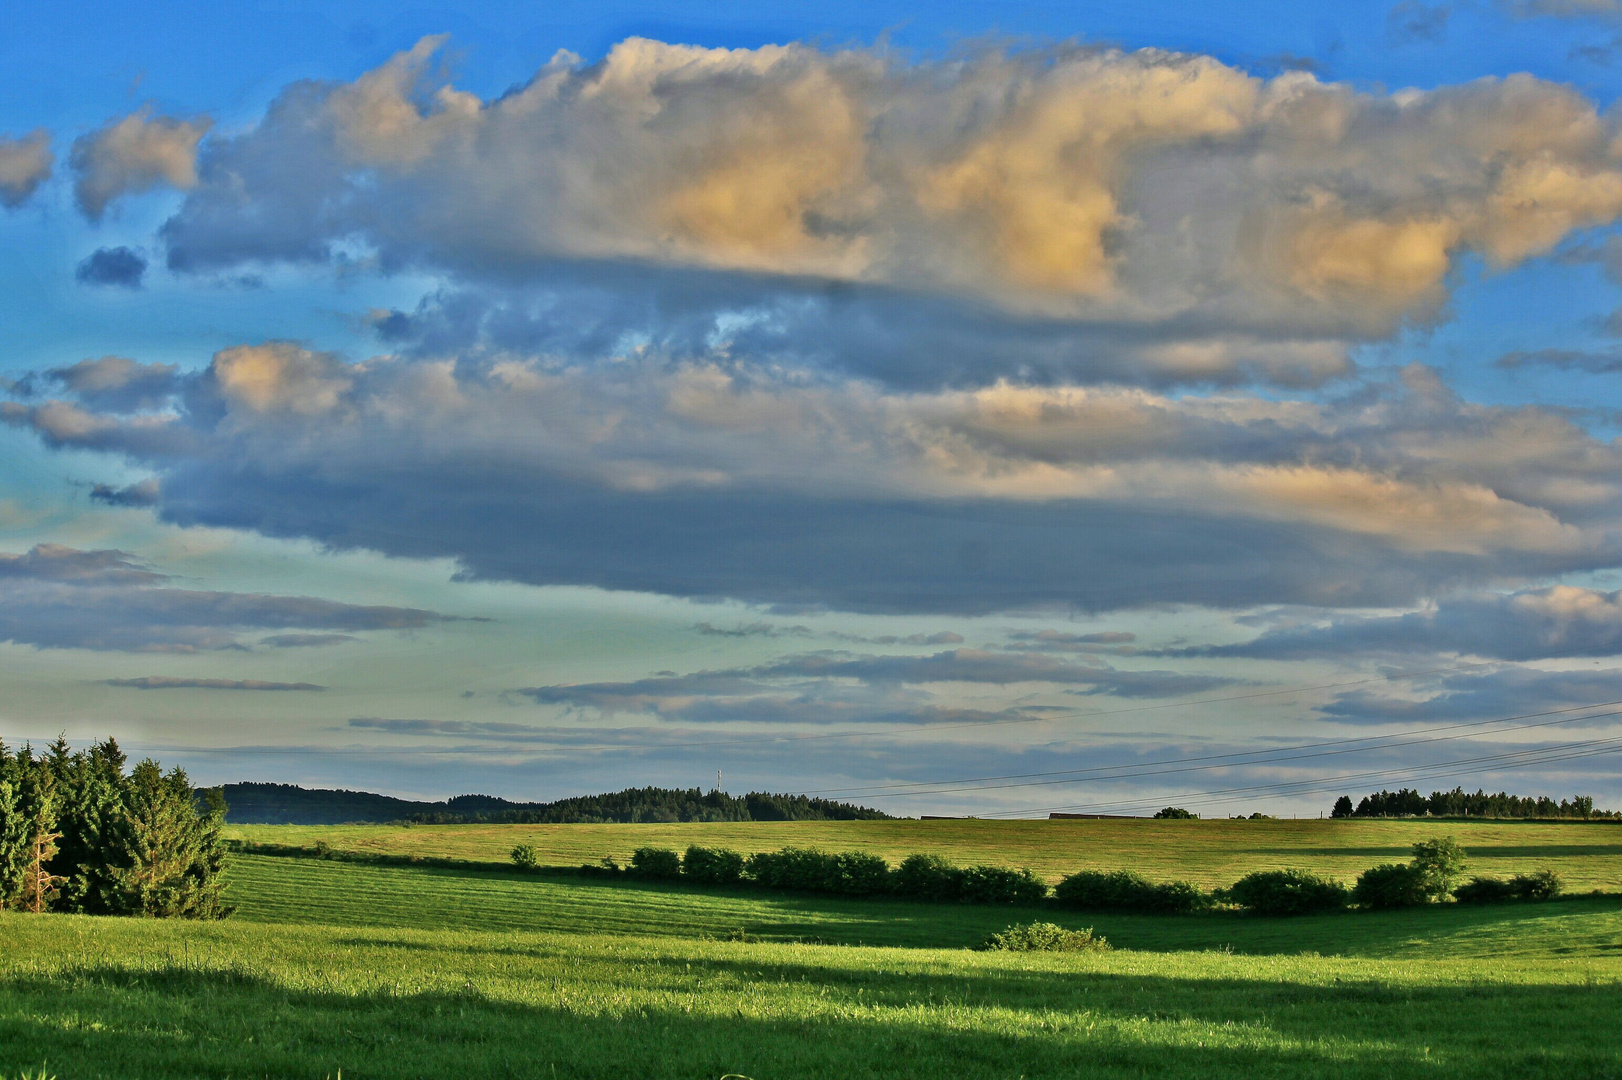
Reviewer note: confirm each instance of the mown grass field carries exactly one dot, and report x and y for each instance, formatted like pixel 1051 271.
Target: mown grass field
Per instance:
pixel 407 971
pixel 1210 853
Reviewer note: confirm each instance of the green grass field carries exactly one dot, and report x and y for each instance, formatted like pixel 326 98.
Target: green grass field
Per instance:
pixel 1210 853
pixel 376 970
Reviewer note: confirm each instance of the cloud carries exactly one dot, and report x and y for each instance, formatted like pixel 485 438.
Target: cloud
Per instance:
pixel 141 493
pixel 711 479
pixel 1412 20
pixel 767 630
pixel 118 266
pixel 1564 9
pixel 305 641
pixel 1507 692
pixel 134 154
pixel 113 384
pixel 830 687
pixel 1118 641
pixel 1061 180
pixel 59 597
pixel 25 164
pixel 165 682
pixel 1595 363
pixel 1561 621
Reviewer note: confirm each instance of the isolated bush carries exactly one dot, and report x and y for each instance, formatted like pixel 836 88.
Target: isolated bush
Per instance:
pixel 1393 885
pixel 1175 812
pixel 524 857
pixel 928 877
pixel 1122 890
pixel 846 873
pixel 1288 892
pixel 1442 862
pixel 655 862
pixel 1045 937
pixel 713 866
pixel 1000 885
pixel 1539 885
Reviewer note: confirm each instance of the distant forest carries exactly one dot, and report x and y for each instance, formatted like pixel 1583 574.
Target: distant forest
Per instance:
pixel 1407 802
pixel 288 804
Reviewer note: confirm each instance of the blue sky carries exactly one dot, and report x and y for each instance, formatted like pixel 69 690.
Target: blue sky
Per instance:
pixel 860 399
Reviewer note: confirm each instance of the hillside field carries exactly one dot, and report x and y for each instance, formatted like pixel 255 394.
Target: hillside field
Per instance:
pixel 1209 853
pixel 447 971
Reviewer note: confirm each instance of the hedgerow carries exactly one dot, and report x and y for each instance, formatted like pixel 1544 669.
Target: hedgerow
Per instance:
pixel 1287 892
pixel 1123 890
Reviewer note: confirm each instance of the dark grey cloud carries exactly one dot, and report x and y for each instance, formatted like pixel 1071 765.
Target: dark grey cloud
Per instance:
pixel 166 682
pixel 58 597
pixel 1536 624
pixel 120 267
pixel 141 493
pixel 783 489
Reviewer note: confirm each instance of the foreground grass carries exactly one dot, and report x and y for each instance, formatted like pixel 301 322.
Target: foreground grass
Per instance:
pixel 1210 853
pixel 131 999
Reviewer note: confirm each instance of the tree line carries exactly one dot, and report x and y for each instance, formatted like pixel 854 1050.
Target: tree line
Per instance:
pixel 1406 802
pixel 1433 875
pixel 80 834
pixel 287 804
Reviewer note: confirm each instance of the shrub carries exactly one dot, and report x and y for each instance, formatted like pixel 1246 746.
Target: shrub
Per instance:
pixel 655 862
pixel 715 866
pixel 1393 885
pixel 1176 813
pixel 1000 885
pixel 1288 892
pixel 1540 885
pixel 524 857
pixel 1484 890
pixel 928 877
pixel 1045 937
pixel 847 873
pixel 1441 861
pixel 1122 890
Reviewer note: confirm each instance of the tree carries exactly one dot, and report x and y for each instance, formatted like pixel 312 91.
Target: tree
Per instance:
pixel 1176 813
pixel 1343 807
pixel 90 815
pixel 36 806
pixel 13 828
pixel 173 853
pixel 1441 861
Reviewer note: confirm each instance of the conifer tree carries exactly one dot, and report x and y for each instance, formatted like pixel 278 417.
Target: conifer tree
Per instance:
pixel 174 854
pixel 91 817
pixel 36 806
pixel 13 829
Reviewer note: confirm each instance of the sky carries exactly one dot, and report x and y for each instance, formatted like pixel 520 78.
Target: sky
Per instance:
pixel 962 409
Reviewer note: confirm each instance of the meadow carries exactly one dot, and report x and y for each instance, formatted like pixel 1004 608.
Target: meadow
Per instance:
pixel 1208 853
pixel 446 971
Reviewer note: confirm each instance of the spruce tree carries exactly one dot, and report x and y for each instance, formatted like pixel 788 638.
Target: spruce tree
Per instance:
pixel 173 853
pixel 37 806
pixel 91 818
pixel 13 829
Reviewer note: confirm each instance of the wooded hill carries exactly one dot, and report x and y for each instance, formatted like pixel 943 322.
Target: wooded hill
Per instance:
pixel 289 804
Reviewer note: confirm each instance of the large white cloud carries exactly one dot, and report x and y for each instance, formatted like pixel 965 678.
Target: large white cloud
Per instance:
pixel 1145 187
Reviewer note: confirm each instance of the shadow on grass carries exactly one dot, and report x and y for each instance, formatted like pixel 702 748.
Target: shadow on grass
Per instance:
pixel 811 1019
pixel 617 906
